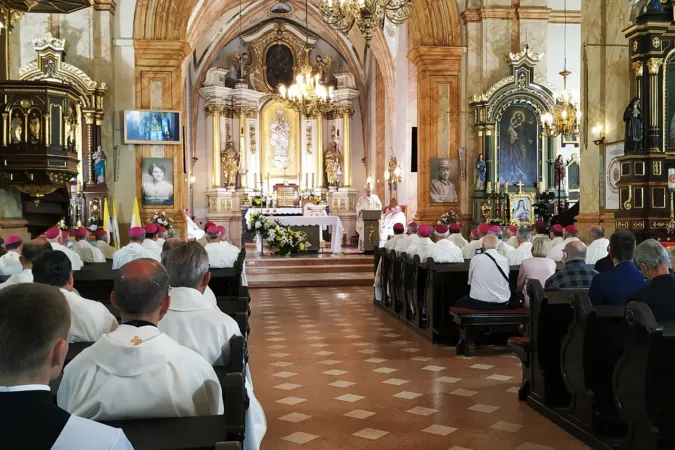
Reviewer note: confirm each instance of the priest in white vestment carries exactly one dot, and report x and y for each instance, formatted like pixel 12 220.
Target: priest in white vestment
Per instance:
pixel 570 234
pixel 476 243
pixel 502 247
pixel 209 295
pixel 456 236
pixel 366 202
pixel 103 245
pixel 150 241
pixel 512 233
pixel 161 235
pixel 191 321
pixel 34 323
pixel 598 248
pixel 221 254
pixel 193 230
pixel 89 319
pixel 56 240
pixel 523 250
pixel 87 252
pixel 402 245
pixel 387 228
pixel 10 262
pixel 555 236
pixel 445 251
pixel 424 246
pixel 29 252
pixel 133 250
pixel 137 371
pixel 399 229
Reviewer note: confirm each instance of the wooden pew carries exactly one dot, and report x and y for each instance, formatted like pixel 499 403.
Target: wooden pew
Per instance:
pixel 472 322
pixel 643 381
pixel 409 311
pixel 445 283
pixel 385 257
pixel 396 281
pixel 233 305
pixel 419 284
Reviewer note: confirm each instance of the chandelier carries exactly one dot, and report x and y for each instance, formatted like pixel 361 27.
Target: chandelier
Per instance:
pixel 307 95
pixel 341 15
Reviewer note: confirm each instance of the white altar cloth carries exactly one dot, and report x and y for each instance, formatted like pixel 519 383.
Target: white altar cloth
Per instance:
pixel 273 212
pixel 322 221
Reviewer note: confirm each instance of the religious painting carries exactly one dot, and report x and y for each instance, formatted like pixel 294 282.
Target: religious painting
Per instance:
pixel 152 127
pixel 444 179
pixel 522 209
pixel 279 64
pixel 157 181
pixel 518 146
pixel 569 139
pixel 669 90
pixel 612 176
pixel 279 141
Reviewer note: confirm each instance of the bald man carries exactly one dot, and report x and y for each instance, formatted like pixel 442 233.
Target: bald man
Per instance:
pixel 488 278
pixel 576 274
pixel 138 371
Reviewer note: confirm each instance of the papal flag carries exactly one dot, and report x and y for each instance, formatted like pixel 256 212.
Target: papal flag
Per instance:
pixel 136 215
pixel 107 225
pixel 115 226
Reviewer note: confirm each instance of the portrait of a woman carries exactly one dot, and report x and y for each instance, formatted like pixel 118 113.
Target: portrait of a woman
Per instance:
pixel 522 211
pixel 156 190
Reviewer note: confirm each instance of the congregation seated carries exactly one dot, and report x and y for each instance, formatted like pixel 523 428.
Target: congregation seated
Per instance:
pixel 175 242
pixel 488 279
pixel 599 246
pixel 555 236
pixel 616 285
pixel 541 233
pixel 103 245
pixel 456 236
pixel 34 324
pixel 87 252
pixel 604 264
pixel 422 247
pixel 150 241
pixel 162 234
pixel 387 228
pixel 503 248
pixel 202 240
pixel 58 242
pixel 137 371
pixel 10 262
pixel 512 233
pixel 445 251
pixel 191 321
pixel 576 274
pixel 29 252
pixel 89 319
pixel 524 247
pixel 476 241
pixel 412 237
pixel 399 230
pixel 654 262
pixel 133 250
pixel 220 254
pixel 570 234
pixel 538 267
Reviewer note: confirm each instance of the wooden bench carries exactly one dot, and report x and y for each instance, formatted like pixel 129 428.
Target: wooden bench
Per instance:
pixel 471 321
pixel 643 381
pixel 522 348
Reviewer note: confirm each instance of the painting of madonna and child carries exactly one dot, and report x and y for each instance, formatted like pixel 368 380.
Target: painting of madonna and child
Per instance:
pixel 518 135
pixel 152 127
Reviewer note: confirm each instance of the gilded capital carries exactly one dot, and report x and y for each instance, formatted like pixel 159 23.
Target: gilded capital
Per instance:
pixel 653 64
pixel 638 67
pixel 212 110
pixel 345 110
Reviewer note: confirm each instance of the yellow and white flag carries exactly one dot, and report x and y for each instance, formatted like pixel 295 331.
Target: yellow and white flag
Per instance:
pixel 136 215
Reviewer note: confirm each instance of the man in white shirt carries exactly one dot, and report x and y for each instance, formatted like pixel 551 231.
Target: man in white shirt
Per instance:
pixel 138 371
pixel 476 244
pixel 524 250
pixel 220 254
pixel 89 319
pixel 512 233
pixel 556 236
pixel 366 202
pixel 56 240
pixel 87 252
pixel 570 234
pixel 29 253
pixel 445 251
pixel 397 217
pixel 133 250
pixel 102 244
pixel 503 248
pixel 424 246
pixel 456 236
pixel 150 241
pixel 162 233
pixel 488 278
pixel 402 245
pixel 34 323
pixel 191 321
pixel 598 248
pixel 10 262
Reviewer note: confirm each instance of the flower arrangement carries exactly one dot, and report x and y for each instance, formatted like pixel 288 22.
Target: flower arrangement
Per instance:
pixel 496 221
pixel 259 223
pixel 280 239
pixel 161 218
pixel 307 194
pixel 448 218
pixel 257 201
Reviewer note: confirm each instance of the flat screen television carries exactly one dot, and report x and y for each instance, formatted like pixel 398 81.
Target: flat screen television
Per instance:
pixel 142 126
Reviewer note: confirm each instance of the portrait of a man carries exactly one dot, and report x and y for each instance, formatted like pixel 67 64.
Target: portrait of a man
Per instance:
pixel 157 181
pixel 518 146
pixel 443 180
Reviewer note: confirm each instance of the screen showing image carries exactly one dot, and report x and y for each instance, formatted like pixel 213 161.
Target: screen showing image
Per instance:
pixel 152 127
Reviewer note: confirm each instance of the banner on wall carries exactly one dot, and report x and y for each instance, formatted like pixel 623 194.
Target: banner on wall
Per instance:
pixel 612 174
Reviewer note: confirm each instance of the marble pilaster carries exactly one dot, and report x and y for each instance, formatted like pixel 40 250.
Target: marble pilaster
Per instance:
pixel 380 158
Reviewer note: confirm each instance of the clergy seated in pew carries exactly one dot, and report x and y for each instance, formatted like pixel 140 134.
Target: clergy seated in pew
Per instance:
pixel 89 319
pixel 87 252
pixel 456 236
pixel 402 245
pixel 150 241
pixel 103 244
pixel 502 247
pixel 399 229
pixel 643 380
pixel 444 250
pixel 59 241
pixel 10 262
pixel 133 250
pixel 476 242
pixel 523 251
pixel 192 322
pixel 30 251
pixel 222 254
pixel 396 216
pixel 34 324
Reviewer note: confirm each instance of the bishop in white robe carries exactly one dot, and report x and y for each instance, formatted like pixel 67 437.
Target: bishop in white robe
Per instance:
pixel 133 250
pixel 444 250
pixel 598 248
pixel 570 235
pixel 512 232
pixel 402 245
pixel 103 245
pixel 369 201
pixel 193 230
pixel 87 252
pixel 475 244
pixel 456 236
pixel 424 245
pixel 30 251
pixel 55 239
pixel 10 262
pixel 387 229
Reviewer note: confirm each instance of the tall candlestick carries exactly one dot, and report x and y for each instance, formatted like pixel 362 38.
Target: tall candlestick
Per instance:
pixel 306 180
pixel 313 186
pixel 268 182
pixel 497 185
pixel 261 181
pixel 489 186
pixel 506 187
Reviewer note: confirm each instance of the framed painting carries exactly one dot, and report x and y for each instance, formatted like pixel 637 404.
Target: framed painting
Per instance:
pixel 612 174
pixel 157 181
pixel 521 209
pixel 152 127
pixel 444 179
pixel 569 139
pixel 517 152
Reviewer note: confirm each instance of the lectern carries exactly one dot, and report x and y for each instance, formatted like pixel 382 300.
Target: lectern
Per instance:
pixel 371 229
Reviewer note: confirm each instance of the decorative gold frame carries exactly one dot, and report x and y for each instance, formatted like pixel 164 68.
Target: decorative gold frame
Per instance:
pixel 640 164
pixel 513 198
pixel 126 140
pixel 662 194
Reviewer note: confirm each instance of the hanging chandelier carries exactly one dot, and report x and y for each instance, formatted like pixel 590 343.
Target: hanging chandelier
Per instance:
pixel 342 15
pixel 566 113
pixel 307 95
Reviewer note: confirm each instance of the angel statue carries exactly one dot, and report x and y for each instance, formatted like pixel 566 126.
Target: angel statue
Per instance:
pixel 241 63
pixel 321 67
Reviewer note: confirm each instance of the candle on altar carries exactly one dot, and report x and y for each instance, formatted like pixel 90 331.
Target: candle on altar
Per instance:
pixel 497 185
pixel 261 181
pixel 489 186
pixel 506 187
pixel 313 181
pixel 306 180
pixel 268 181
pixel 540 187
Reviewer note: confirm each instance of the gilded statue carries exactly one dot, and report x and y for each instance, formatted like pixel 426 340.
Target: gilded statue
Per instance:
pixel 34 127
pixel 321 67
pixel 230 163
pixel 333 165
pixel 17 129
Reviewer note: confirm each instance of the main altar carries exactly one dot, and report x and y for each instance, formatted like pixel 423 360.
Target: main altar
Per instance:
pixel 261 150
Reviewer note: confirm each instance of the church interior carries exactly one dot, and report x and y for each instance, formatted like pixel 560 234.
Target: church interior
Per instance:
pixel 346 167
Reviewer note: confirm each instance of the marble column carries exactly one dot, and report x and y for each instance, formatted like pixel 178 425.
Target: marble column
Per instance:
pixel 346 113
pixel 213 112
pixel 318 125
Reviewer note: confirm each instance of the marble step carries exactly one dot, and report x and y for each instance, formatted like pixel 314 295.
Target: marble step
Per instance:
pixel 320 268
pixel 310 279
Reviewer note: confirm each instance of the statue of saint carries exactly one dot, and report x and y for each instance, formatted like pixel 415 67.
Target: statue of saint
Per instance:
pixel 560 171
pixel 321 67
pixel 241 63
pixel 333 165
pixel 34 127
pixel 99 165
pixel 280 140
pixel 17 129
pixel 230 162
pixel 632 116
pixel 481 171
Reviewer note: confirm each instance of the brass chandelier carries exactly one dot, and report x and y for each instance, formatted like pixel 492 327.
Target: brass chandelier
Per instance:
pixel 341 15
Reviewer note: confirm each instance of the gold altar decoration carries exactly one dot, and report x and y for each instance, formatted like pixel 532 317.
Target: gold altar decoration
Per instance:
pixel 268 116
pixel 333 164
pixel 229 159
pixel 566 115
pixel 47 6
pixel 525 216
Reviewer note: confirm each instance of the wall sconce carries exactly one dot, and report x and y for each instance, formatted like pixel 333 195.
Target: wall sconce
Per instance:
pixel 598 135
pixel 193 180
pixel 392 175
pixel 369 180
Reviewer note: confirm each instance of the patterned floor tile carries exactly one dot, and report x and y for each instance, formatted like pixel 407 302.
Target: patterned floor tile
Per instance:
pixel 359 414
pixel 370 433
pixel 300 437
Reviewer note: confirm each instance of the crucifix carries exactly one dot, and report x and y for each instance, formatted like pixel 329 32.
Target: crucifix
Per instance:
pixel 520 187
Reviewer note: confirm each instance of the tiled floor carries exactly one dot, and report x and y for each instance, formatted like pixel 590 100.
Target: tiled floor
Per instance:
pixel 333 371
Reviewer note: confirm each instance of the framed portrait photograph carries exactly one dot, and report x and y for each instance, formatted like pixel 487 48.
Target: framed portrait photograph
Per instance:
pixel 522 209
pixel 444 179
pixel 157 181
pixel 152 127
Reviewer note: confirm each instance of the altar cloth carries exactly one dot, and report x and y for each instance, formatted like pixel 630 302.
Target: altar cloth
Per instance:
pixel 322 221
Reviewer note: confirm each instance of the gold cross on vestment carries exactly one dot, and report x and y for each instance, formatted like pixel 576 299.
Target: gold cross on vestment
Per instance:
pixel 136 340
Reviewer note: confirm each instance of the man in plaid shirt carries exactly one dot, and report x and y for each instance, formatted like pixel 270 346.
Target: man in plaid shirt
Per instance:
pixel 576 273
